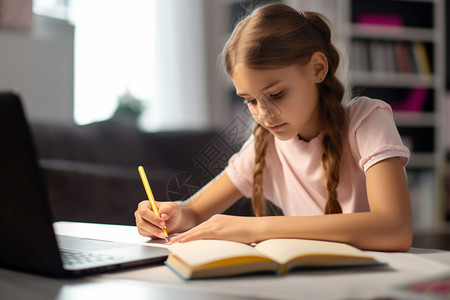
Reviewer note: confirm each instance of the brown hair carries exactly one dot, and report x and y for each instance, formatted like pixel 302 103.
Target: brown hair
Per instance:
pixel 276 35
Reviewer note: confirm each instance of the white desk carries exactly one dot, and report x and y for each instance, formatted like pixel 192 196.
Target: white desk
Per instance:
pixel 159 282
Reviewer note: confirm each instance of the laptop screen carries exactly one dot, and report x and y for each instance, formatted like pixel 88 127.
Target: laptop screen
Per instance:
pixel 26 233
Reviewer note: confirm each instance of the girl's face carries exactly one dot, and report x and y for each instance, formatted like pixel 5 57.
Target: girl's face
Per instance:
pixel 285 100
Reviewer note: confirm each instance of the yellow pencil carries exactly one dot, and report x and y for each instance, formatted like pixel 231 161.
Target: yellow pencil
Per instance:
pixel 148 190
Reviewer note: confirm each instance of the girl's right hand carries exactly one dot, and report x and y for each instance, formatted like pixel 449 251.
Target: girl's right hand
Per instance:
pixel 150 225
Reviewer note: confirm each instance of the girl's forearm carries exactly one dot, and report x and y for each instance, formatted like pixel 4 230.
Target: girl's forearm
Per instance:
pixel 368 230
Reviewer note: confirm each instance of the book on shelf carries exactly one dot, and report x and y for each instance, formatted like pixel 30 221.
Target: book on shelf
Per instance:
pixel 360 56
pixel 377 57
pixel 219 258
pixel 402 57
pixel 421 58
pixel 391 64
pixel 390 57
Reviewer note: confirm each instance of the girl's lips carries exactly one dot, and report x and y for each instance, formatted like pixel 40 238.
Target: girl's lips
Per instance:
pixel 276 127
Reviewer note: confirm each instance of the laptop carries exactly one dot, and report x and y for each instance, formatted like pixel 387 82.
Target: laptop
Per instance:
pixel 27 240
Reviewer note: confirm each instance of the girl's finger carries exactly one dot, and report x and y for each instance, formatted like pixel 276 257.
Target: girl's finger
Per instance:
pixel 146 213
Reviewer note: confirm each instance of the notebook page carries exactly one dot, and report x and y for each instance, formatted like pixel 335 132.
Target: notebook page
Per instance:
pixel 206 251
pixel 283 250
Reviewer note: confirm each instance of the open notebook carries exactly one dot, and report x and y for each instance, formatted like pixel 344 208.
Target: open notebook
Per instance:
pixel 218 258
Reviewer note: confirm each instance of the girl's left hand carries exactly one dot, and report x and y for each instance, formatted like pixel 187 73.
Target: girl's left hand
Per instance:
pixel 223 227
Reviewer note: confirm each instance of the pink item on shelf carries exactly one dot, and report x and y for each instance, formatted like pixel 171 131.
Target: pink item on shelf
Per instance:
pixel 380 19
pixel 414 101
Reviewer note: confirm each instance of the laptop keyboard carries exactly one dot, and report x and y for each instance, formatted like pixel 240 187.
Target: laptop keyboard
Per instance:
pixel 76 257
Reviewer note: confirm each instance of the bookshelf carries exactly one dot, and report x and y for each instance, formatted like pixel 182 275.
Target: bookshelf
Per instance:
pixel 397 55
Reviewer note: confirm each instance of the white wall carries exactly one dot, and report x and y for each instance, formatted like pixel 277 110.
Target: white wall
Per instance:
pixel 180 83
pixel 38 63
pixel 217 20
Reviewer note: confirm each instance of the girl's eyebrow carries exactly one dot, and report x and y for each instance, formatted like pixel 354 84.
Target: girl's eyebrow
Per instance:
pixel 265 88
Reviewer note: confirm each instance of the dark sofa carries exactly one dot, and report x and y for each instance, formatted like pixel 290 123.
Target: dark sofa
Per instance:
pixel 91 170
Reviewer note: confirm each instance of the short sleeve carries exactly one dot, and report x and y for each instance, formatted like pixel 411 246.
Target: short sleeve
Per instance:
pixel 374 135
pixel 240 168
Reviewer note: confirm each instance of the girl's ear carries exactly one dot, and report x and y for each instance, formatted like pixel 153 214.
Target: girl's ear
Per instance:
pixel 319 65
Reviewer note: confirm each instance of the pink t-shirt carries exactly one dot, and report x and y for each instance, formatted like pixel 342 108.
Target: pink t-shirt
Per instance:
pixel 293 173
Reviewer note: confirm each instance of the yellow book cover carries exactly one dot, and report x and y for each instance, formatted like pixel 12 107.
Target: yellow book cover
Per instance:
pixel 420 55
pixel 218 258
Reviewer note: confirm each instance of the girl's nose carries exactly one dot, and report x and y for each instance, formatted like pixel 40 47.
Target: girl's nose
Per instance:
pixel 266 112
pixel 267 108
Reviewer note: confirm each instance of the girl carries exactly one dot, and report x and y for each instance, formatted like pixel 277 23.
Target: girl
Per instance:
pixel 335 169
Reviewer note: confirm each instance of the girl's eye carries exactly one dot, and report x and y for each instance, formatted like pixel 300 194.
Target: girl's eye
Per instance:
pixel 249 102
pixel 277 95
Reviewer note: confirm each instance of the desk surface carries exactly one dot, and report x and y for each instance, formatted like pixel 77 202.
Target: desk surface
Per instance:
pixel 158 282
